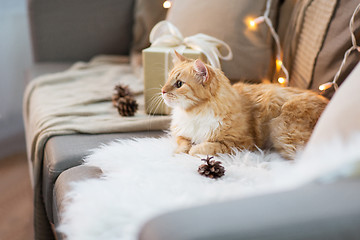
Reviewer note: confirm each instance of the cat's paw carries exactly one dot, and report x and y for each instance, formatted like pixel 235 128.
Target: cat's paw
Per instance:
pixel 184 145
pixel 199 150
pixel 209 148
pixel 182 149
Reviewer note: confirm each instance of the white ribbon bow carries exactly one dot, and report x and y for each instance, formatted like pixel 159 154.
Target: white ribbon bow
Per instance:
pixel 165 34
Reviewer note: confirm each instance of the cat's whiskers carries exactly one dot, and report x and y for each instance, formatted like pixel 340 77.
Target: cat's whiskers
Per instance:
pixel 155 103
pixel 154 99
pixel 152 102
pixel 160 100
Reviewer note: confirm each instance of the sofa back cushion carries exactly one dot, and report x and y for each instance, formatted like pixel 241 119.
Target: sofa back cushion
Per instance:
pixel 315 40
pixel 336 42
pixel 147 14
pixel 73 30
pixel 228 21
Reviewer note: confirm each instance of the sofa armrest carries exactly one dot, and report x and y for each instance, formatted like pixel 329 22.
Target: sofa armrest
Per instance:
pixel 73 30
pixel 311 212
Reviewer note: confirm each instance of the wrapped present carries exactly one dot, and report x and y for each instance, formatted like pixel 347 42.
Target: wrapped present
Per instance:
pixel 158 59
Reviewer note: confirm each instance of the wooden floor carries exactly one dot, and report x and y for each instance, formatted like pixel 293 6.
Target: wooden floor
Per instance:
pixel 16 211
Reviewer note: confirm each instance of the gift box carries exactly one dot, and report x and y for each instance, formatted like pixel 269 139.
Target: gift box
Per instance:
pixel 158 59
pixel 157 63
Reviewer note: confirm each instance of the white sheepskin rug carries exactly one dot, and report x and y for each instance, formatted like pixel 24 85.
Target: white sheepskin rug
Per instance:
pixel 142 179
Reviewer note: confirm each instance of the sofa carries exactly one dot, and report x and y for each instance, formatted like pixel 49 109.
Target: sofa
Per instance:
pixel 65 32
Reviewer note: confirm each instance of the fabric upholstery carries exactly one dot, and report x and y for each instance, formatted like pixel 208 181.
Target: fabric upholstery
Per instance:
pixel 336 42
pixel 252 49
pixel 147 14
pixel 65 152
pixel 315 41
pixel 285 14
pixel 314 25
pixel 79 29
pixel 315 211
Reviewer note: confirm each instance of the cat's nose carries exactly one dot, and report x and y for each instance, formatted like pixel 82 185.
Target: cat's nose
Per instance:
pixel 163 91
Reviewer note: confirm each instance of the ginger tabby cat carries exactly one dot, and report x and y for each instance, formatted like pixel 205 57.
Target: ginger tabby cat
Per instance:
pixel 211 116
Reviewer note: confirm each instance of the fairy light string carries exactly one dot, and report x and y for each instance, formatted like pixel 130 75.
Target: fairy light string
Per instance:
pixel 354 46
pixel 283 80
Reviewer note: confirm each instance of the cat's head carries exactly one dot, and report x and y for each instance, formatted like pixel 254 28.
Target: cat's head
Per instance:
pixel 189 83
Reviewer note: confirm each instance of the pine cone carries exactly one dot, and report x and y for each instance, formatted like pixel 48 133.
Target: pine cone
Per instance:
pixel 212 168
pixel 127 106
pixel 119 92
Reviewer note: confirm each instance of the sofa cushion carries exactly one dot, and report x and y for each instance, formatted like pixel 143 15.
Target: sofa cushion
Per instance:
pixel 64 152
pixel 228 21
pixel 315 41
pixel 147 14
pixel 285 14
pixel 313 17
pixel 78 30
pixel 336 42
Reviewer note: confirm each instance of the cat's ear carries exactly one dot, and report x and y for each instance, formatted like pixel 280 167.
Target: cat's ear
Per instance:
pixel 201 70
pixel 177 57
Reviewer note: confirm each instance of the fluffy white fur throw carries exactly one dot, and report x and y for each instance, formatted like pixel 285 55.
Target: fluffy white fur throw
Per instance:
pixel 142 178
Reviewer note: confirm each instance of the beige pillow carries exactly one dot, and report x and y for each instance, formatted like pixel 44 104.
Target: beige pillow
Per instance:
pixel 227 20
pixel 316 38
pixel 147 14
pixel 336 42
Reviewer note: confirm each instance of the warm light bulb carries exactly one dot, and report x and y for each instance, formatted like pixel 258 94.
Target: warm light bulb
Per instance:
pixel 252 23
pixel 278 64
pixel 281 80
pixel 167 4
pixel 325 86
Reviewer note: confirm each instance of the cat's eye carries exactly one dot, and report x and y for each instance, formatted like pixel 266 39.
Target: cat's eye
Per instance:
pixel 178 84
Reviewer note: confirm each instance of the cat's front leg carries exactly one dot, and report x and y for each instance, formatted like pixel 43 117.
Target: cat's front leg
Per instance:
pixel 184 145
pixel 209 148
